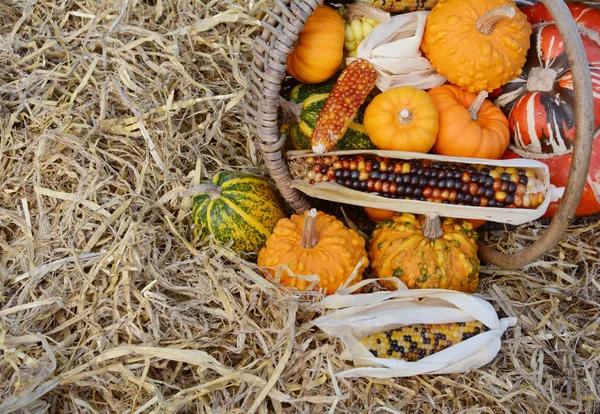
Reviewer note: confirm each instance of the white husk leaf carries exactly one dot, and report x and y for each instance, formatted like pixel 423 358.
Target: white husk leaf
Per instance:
pixel 364 314
pixel 394 49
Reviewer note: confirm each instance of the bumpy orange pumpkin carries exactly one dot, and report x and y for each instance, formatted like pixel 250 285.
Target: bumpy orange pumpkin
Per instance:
pixel 478 45
pixel 320 47
pixel 402 119
pixel 314 243
pixel 423 253
pixel 470 125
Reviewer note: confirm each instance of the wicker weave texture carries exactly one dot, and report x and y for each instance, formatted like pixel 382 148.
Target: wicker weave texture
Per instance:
pixel 280 32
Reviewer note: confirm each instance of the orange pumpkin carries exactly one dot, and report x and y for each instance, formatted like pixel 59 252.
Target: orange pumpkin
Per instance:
pixel 313 243
pixel 477 223
pixel 478 45
pixel 402 119
pixel 378 214
pixel 470 125
pixel 320 47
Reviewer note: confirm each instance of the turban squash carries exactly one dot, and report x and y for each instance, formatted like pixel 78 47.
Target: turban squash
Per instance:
pixel 539 104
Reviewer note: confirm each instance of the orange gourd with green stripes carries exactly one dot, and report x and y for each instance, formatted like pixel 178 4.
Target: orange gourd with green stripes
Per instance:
pixel 240 207
pixel 426 254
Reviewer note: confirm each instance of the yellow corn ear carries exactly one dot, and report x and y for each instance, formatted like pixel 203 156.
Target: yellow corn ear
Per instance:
pixel 401 6
pixel 355 32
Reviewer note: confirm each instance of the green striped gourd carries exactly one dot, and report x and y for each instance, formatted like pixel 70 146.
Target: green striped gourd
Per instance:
pixel 301 113
pixel 240 207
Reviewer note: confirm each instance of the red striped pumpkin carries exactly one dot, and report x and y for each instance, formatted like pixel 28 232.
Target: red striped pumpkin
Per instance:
pixel 540 103
pixel 559 173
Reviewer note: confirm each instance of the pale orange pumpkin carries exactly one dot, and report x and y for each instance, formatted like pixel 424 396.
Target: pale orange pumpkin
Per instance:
pixel 402 119
pixel 320 47
pixel 478 45
pixel 469 125
pixel 314 243
pixel 378 214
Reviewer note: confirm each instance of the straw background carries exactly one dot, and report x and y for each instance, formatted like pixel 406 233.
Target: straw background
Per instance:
pixel 108 111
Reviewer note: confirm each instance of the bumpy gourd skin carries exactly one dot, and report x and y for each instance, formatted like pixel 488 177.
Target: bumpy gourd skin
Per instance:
pixel 398 248
pixel 468 58
pixel 333 258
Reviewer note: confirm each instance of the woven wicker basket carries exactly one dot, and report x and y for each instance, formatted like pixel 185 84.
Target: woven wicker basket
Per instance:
pixel 281 27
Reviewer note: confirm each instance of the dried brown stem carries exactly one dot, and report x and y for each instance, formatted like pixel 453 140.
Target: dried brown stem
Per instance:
pixel 309 232
pixel 432 229
pixel 486 23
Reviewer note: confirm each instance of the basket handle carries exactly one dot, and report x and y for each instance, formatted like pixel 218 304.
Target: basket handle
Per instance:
pixel 582 148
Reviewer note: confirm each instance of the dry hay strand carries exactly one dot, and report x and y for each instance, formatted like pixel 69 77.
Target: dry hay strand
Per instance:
pixel 108 111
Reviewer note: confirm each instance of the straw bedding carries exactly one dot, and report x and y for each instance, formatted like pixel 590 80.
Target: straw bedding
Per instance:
pixel 108 111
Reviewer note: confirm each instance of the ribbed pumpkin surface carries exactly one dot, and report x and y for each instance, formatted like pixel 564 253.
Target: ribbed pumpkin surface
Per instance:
pixel 247 211
pixel 398 248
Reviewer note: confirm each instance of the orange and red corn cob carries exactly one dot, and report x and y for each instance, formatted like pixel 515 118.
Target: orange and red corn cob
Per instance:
pixel 341 106
pixel 425 180
pixel 414 342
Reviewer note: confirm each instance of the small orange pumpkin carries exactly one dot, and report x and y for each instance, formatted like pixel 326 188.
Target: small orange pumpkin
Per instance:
pixel 477 222
pixel 402 119
pixel 378 214
pixel 314 243
pixel 320 48
pixel 470 125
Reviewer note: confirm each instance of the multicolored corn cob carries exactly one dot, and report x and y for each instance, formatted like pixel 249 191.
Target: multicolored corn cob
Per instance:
pixel 425 180
pixel 414 342
pixel 401 6
pixel 341 106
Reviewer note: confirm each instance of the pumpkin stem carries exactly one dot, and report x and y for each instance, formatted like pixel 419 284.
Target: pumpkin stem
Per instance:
pixel 541 79
pixel 213 191
pixel 476 105
pixel 405 117
pixel 290 111
pixel 432 229
pixel 486 23
pixel 357 11
pixel 309 232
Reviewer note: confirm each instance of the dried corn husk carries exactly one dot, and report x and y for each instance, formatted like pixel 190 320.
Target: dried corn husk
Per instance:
pixel 394 49
pixel 340 194
pixel 364 314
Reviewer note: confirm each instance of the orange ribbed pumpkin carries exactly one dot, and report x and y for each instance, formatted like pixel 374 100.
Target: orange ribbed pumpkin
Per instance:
pixel 470 125
pixel 320 47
